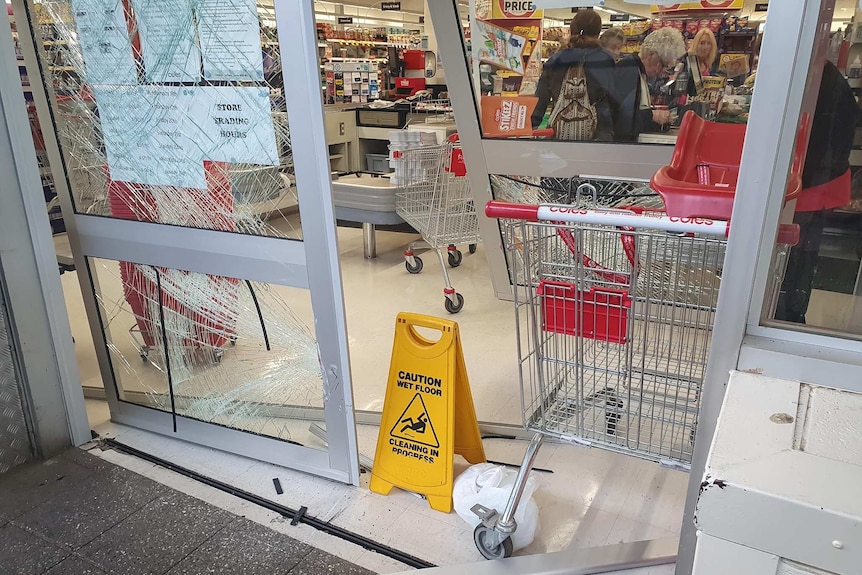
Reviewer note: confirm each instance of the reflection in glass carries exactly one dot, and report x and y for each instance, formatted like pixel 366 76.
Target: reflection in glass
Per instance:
pixel 817 283
pixel 239 353
pixel 577 74
pixel 160 131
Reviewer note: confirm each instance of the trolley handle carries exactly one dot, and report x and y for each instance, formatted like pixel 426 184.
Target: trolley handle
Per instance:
pixel 636 218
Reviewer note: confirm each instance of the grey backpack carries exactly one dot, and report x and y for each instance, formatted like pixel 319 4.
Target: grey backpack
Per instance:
pixel 573 116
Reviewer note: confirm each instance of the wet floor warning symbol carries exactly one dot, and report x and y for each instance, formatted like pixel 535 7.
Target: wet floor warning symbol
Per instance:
pixel 428 415
pixel 415 424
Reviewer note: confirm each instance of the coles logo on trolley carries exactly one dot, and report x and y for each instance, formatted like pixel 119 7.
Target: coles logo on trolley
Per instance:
pixel 698 221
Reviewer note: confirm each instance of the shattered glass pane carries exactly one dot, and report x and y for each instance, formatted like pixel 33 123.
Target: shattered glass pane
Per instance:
pixel 172 111
pixel 239 354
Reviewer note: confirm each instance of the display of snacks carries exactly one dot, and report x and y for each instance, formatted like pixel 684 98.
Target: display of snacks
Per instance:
pixel 556 34
pixel 676 23
pixel 734 24
pixel 636 28
pixel 734 65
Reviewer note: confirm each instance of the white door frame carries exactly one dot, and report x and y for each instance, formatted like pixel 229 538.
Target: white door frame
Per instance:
pixel 309 264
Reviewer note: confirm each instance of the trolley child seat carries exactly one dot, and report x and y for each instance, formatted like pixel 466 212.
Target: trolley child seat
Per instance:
pixel 701 178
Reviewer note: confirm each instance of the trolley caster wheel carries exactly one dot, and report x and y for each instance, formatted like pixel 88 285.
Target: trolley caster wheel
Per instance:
pixel 144 357
pixel 455 258
pixel 415 269
pixel 484 538
pixel 233 340
pixel 454 307
pixel 472 248
pixel 218 355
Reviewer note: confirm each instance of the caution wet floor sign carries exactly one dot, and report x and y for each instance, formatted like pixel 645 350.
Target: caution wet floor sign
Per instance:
pixel 428 415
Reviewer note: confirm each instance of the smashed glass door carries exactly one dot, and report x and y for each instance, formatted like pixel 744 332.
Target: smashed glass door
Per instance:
pixel 204 241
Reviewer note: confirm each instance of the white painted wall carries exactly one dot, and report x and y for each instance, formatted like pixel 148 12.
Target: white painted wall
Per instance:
pixel 781 492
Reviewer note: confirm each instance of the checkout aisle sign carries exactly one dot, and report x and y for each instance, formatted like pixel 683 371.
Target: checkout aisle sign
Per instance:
pixel 428 414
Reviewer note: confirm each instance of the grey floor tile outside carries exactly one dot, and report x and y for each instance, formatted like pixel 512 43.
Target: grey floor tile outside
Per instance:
pixel 23 553
pixel 78 514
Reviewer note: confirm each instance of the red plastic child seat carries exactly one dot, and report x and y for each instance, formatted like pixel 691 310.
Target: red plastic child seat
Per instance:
pixel 718 149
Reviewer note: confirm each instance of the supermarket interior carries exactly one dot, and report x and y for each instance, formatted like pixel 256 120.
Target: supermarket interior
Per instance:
pixel 231 315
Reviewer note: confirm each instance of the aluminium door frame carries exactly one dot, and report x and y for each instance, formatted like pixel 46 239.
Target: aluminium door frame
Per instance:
pixel 739 341
pixel 254 258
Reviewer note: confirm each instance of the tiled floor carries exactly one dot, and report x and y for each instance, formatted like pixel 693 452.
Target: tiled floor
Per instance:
pixel 592 497
pixel 79 514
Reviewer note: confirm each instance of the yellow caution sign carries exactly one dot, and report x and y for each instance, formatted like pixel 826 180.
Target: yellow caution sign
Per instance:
pixel 428 415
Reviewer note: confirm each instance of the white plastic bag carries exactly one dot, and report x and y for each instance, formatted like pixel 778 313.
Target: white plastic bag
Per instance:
pixel 490 485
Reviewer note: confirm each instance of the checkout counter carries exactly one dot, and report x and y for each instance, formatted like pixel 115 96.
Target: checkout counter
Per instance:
pixel 358 143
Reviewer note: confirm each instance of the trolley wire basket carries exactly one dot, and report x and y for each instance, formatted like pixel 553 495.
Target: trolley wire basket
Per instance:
pixel 435 199
pixel 614 313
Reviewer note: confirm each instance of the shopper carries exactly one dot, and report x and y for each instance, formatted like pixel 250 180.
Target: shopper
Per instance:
pixel 612 41
pixel 660 51
pixel 583 51
pixel 701 60
pixel 825 186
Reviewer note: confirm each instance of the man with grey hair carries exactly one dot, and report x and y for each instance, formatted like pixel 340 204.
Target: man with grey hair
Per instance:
pixel 660 50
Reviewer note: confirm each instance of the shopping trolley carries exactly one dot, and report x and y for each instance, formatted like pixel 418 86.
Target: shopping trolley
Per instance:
pixel 435 200
pixel 614 311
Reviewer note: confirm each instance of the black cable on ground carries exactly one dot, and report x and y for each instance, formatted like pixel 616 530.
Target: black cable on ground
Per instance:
pixel 287 512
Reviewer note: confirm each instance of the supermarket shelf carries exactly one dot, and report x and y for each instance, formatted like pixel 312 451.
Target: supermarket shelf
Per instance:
pixel 63 68
pixel 55 42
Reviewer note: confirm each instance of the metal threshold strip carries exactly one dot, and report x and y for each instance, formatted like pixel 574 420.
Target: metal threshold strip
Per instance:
pixel 296 516
pixel 589 561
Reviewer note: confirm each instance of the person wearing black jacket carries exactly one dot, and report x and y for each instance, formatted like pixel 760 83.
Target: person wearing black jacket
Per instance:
pixel 583 49
pixel 825 186
pixel 660 50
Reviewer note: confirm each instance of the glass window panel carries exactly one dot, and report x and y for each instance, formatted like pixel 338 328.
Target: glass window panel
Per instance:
pixel 160 121
pixel 239 354
pixel 602 74
pixel 815 285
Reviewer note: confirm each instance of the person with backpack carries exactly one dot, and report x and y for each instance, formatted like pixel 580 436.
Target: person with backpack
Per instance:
pixel 660 50
pixel 577 82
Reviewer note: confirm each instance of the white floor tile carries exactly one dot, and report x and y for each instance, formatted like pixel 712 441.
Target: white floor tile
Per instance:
pixel 627 530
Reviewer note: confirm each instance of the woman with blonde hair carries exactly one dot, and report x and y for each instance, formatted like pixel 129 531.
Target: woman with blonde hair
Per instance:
pixel 701 59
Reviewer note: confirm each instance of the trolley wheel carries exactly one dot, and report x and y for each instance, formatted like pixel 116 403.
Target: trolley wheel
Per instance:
pixel 218 355
pixel 233 340
pixel 414 269
pixel 144 357
pixel 455 258
pixel 483 536
pixel 454 307
pixel 472 248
